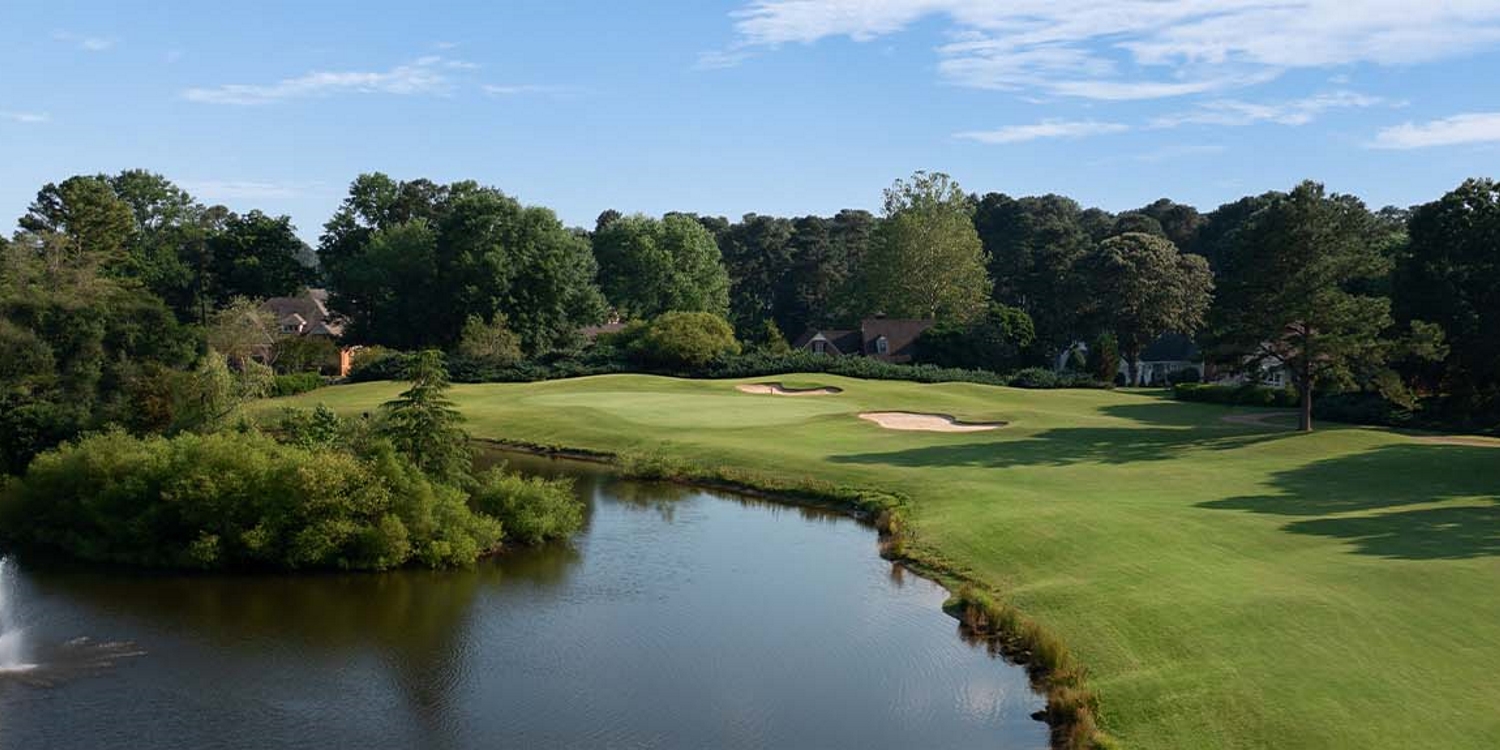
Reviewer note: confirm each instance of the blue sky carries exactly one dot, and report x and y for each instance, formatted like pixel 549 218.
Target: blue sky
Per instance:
pixel 780 106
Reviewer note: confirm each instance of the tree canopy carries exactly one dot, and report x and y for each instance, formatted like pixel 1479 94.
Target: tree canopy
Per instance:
pixel 926 260
pixel 1142 287
pixel 650 266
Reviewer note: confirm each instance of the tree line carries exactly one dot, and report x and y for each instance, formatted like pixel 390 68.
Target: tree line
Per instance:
pixel 112 284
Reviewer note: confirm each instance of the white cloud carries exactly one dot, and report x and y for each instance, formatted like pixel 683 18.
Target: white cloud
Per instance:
pixel 529 88
pixel 1458 130
pixel 1135 49
pixel 1043 129
pixel 219 191
pixel 1294 112
pixel 30 118
pixel 427 75
pixel 85 43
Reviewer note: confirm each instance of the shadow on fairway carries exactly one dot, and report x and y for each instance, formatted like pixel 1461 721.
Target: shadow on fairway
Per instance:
pixel 1382 484
pixel 1066 446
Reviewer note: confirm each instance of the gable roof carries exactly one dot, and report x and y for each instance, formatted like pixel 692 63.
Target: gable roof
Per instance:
pixel 900 334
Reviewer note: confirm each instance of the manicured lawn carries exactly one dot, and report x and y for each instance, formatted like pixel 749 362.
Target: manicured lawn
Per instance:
pixel 1227 585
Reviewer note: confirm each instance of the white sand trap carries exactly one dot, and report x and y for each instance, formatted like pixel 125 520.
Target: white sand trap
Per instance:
pixel 777 389
pixel 908 420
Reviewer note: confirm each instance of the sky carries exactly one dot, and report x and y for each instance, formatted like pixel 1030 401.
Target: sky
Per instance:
pixel 783 107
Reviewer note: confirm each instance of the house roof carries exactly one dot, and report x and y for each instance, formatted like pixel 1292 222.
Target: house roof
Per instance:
pixel 310 310
pixel 900 334
pixel 843 341
pixel 1170 347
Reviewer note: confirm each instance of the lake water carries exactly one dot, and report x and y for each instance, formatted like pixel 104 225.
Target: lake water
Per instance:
pixel 676 619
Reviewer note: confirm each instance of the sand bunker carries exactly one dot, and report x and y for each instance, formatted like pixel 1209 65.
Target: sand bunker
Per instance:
pixel 907 420
pixel 777 389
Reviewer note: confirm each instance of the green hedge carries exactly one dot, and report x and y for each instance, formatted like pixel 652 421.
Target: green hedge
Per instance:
pixel 1236 395
pixel 602 361
pixel 295 383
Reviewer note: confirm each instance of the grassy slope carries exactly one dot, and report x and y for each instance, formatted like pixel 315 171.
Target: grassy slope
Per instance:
pixel 1226 585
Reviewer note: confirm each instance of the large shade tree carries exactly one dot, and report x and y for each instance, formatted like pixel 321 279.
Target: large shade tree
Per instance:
pixel 1142 287
pixel 649 266
pixel 1449 274
pixel 926 260
pixel 1290 292
pixel 1033 244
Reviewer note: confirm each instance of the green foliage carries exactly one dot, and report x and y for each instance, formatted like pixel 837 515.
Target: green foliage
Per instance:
pixel 770 340
pixel 409 262
pixel 926 260
pixel 242 330
pixel 1234 395
pixel 1294 288
pixel 652 266
pixel 236 501
pixel 1448 274
pixel 491 344
pixel 256 256
pixel 684 340
pixel 533 510
pixel 305 354
pixel 422 424
pixel 993 341
pixel 1143 287
pixel 295 383
pixel 1033 244
pixel 1103 361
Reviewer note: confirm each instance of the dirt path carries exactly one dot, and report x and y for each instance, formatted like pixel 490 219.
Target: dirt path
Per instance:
pixel 906 420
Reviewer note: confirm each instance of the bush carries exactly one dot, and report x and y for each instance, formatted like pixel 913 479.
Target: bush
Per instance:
pixel 685 339
pixel 490 343
pixel 1235 395
pixel 236 501
pixel 291 385
pixel 378 363
pixel 1179 377
pixel 992 341
pixel 1034 377
pixel 532 509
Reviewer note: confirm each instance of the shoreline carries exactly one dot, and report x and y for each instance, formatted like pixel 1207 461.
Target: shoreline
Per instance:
pixel 1071 712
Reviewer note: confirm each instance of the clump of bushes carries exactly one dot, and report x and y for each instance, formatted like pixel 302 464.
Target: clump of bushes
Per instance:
pixel 532 509
pixel 1235 395
pixel 295 383
pixel 235 500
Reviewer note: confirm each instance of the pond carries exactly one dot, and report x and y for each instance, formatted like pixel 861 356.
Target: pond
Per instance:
pixel 676 619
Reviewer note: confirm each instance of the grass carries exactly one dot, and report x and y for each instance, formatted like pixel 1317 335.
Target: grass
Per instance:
pixel 1224 585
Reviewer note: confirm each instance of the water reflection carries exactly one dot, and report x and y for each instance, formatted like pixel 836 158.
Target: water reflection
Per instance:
pixel 676 619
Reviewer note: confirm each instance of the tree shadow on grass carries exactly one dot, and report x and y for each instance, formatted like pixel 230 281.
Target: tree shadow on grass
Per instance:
pixel 1064 447
pixel 1381 485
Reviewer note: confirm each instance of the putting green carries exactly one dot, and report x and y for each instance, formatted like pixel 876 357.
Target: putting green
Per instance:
pixel 1227 584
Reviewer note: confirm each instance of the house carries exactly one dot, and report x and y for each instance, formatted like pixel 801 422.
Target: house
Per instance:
pixel 307 314
pixel 882 338
pixel 1162 361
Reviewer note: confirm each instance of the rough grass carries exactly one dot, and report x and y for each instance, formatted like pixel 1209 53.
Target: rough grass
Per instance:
pixel 1225 585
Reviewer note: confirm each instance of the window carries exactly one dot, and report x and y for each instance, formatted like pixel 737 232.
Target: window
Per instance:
pixel 820 347
pixel 882 345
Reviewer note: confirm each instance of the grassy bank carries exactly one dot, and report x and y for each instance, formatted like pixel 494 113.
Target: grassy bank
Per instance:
pixel 1225 584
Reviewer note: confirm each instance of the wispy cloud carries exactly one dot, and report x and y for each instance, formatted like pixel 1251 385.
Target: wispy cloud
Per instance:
pixel 30 118
pixel 218 191
pixel 1293 112
pixel 1137 49
pixel 1043 129
pixel 425 76
pixel 83 42
pixel 1458 130
pixel 524 89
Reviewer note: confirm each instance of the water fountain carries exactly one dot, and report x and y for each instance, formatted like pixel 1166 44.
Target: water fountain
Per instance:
pixel 12 646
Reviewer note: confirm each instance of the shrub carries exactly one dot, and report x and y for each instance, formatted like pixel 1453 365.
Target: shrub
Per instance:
pixel 378 363
pixel 1179 377
pixel 992 341
pixel 238 500
pixel 532 509
pixel 293 384
pixel 685 339
pixel 1235 395
pixel 492 343
pixel 1034 377
pixel 1104 359
pixel 306 354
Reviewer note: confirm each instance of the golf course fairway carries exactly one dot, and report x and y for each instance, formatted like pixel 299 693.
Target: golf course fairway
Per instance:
pixel 1227 584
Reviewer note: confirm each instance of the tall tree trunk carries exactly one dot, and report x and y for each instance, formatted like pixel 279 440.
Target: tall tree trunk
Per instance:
pixel 1304 415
